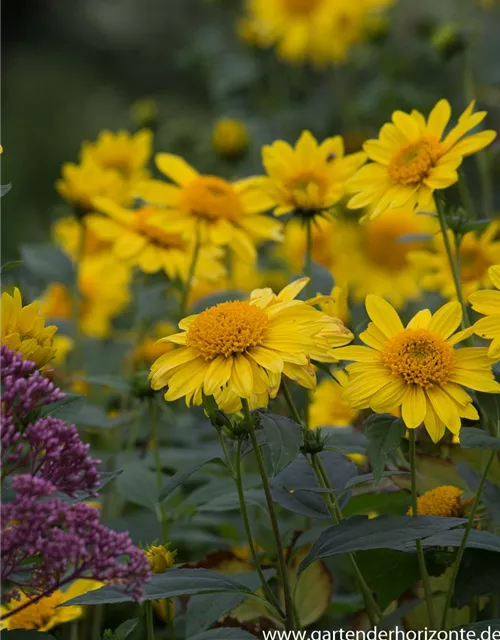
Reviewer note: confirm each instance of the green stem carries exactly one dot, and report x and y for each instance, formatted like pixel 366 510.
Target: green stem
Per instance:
pixel 248 530
pixel 420 552
pixel 463 544
pixel 159 473
pixel 308 256
pixel 454 265
pixel 291 622
pixel 335 512
pixel 192 269
pixel 289 401
pixel 148 614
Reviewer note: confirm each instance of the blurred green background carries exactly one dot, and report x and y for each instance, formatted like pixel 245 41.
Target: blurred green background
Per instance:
pixel 72 68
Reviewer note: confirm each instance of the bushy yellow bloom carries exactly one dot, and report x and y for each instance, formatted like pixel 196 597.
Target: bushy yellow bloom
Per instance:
pixel 309 178
pixel 149 239
pixel 417 368
pixel 68 233
pixel 46 614
pixel 160 558
pixel 221 212
pixel 150 349
pixel 477 253
pixel 24 330
pixel 240 349
pixel 319 31
pixel 444 501
pixel 488 304
pixel 230 138
pixel 103 285
pixel 412 158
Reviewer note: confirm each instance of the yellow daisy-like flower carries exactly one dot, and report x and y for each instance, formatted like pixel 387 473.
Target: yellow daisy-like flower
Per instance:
pixel 477 253
pixel 240 349
pixel 68 233
pixel 222 213
pixel 444 501
pixel 488 304
pixel 417 368
pixel 24 330
pixel 153 242
pixel 46 614
pixel 412 158
pixel 309 178
pixel 230 138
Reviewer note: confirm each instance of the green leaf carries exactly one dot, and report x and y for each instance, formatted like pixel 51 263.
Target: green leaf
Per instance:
pixel 230 501
pixel 384 432
pixel 126 628
pixel 23 634
pixel 473 438
pixel 9 266
pixel 479 575
pixel 369 477
pixel 104 478
pixel 138 485
pixel 299 475
pixel 476 540
pixel 346 439
pixel 284 438
pixel 385 532
pixel 5 188
pixel 117 383
pixel 204 610
pixel 230 633
pixel 172 583
pixel 491 491
pixel 474 225
pixel 181 476
pixel 47 263
pixel 68 408
pixel 414 237
pixel 393 504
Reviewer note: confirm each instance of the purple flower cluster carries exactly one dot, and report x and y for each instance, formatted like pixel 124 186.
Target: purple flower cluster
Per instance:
pixel 48 541
pixel 67 541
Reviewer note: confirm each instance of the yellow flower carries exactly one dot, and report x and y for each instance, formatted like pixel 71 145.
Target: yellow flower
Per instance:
pixel 411 158
pixel 223 213
pixel 150 349
pixel 444 501
pixel 104 292
pixel 488 303
pixel 417 368
pixel 336 304
pixel 240 349
pixel 67 233
pixel 46 614
pixel 160 558
pixel 153 242
pixel 373 257
pixel 309 178
pixel 476 254
pixel 230 138
pixel 324 235
pixel 122 152
pixel 24 330
pixel 62 346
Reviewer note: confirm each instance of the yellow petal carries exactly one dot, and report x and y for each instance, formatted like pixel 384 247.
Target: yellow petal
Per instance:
pixel 176 168
pixel 383 315
pixel 446 319
pixel 414 406
pixel 242 377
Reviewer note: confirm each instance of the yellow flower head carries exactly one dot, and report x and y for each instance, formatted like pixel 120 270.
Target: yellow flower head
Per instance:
pixel 476 254
pixel 150 349
pixel 417 368
pixel 444 501
pixel 412 157
pixel 230 138
pixel 160 558
pixel 24 330
pixel 149 239
pixel 488 304
pixel 240 349
pixel 223 213
pixel 68 233
pixel 308 178
pixel 46 614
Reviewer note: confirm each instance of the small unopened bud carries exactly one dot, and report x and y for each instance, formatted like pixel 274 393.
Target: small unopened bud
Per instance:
pixel 230 138
pixel 160 558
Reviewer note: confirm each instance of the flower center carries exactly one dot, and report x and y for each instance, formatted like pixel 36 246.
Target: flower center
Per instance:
pixel 156 235
pixel 381 239
pixel 307 188
pixel 473 263
pixel 300 7
pixel 227 329
pixel 444 501
pixel 212 198
pixel 419 356
pixel 412 163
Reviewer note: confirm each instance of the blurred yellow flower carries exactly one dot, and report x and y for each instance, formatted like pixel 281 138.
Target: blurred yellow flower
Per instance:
pixel 309 178
pixel 150 349
pixel 411 159
pixel 488 304
pixel 444 501
pixel 230 138
pixel 62 346
pixel 149 239
pixel 221 212
pixel 46 614
pixel 417 368
pixel 476 254
pixel 324 236
pixel 24 330
pixel 104 290
pixel 69 232
pixel 240 349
